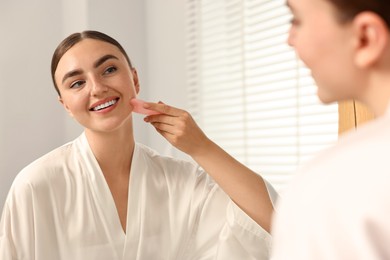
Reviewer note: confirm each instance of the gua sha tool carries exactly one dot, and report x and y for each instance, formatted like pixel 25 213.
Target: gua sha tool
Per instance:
pixel 138 107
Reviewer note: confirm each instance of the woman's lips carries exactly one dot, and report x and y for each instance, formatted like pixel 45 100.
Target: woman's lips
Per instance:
pixel 103 104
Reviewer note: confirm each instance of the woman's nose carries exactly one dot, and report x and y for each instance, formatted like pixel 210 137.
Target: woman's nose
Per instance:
pixel 290 37
pixel 98 88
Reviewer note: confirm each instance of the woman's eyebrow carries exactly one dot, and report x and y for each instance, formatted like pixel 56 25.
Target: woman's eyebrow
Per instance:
pixel 71 74
pixel 96 64
pixel 103 59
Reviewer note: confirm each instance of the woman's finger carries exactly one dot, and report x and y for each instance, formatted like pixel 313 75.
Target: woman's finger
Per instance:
pixel 161 118
pixel 163 108
pixel 165 127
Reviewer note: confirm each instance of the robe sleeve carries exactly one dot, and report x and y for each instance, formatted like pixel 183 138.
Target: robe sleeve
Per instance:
pixel 6 249
pixel 246 232
pixel 226 232
pixel 17 225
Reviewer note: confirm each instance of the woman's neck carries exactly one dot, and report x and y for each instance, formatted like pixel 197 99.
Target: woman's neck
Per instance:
pixel 113 150
pixel 377 96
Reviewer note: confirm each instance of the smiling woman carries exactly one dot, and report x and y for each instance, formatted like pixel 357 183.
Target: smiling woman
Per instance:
pixel 96 75
pixel 98 196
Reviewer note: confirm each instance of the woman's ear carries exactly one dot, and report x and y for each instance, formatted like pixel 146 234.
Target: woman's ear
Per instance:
pixel 135 80
pixel 65 106
pixel 371 38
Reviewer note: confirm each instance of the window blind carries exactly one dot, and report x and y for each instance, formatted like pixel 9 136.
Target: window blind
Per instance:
pixel 248 90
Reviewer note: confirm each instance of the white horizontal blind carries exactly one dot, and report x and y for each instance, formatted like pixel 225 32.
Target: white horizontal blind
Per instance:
pixel 247 89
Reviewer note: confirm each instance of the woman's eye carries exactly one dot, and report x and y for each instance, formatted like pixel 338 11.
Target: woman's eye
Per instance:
pixel 110 70
pixel 77 84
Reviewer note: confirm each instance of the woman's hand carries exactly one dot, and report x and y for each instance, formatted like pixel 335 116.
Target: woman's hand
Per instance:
pixel 178 127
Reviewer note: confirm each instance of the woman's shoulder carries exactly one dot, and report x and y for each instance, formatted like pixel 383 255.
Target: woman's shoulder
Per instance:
pixel 48 164
pixel 168 167
pixel 156 158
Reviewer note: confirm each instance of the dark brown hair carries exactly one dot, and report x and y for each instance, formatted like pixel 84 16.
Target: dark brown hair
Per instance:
pixel 74 38
pixel 348 9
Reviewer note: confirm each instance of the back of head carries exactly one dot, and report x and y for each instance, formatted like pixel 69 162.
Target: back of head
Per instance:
pixel 73 39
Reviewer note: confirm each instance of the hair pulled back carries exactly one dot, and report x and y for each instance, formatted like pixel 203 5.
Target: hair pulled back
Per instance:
pixel 75 38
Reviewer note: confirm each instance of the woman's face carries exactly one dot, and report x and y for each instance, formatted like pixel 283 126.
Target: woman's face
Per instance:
pixel 325 46
pixel 96 85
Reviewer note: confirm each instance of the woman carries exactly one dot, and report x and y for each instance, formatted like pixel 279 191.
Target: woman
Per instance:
pixel 104 196
pixel 339 205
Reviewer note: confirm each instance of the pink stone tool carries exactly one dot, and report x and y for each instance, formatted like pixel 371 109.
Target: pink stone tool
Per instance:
pixel 138 107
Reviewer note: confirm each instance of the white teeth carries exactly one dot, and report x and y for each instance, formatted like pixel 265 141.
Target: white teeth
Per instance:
pixel 107 104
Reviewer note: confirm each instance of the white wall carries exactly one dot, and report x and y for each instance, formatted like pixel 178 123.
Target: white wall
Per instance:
pixel 32 122
pixel 165 27
pixel 29 121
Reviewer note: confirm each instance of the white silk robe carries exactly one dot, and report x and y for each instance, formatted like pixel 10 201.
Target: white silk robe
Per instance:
pixel 338 206
pixel 60 207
